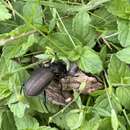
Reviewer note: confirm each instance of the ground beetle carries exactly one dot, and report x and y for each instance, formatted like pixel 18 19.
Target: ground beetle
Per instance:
pixel 42 77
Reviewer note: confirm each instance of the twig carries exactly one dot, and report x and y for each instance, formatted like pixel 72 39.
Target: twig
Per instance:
pixel 112 35
pixel 106 42
pixel 128 121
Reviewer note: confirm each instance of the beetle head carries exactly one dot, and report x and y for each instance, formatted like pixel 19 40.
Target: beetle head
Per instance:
pixel 59 68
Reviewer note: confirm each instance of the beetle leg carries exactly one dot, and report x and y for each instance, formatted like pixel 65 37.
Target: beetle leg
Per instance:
pixel 45 100
pixel 21 89
pixel 61 89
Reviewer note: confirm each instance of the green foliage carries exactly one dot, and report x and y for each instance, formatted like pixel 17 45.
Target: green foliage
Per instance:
pixel 26 122
pixel 123 94
pixel 124 55
pixel 7 118
pixel 94 34
pixel 120 8
pixel 124 32
pixel 116 67
pixel 82 30
pixel 74 116
pixel 86 62
pixel 4 13
pixel 32 12
pixel 114 120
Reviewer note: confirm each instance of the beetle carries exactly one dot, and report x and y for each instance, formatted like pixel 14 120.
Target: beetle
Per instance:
pixel 41 78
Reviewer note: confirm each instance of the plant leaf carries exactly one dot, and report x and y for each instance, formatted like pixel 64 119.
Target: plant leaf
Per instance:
pixel 114 120
pixel 117 71
pixel 120 8
pixel 91 124
pixel 124 55
pixel 4 90
pixel 62 44
pixel 105 124
pixel 4 13
pixel 80 24
pixel 7 118
pixel 19 108
pixel 95 3
pixel 32 11
pixel 123 94
pixel 18 48
pixel 90 62
pixel 74 119
pixel 82 30
pixel 124 32
pixel 26 122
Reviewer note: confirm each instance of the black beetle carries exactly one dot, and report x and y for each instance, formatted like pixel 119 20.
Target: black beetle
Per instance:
pixel 42 77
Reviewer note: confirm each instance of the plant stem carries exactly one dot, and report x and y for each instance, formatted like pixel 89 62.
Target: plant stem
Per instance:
pixel 65 29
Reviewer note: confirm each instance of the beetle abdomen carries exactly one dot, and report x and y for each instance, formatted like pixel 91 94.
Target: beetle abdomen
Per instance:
pixel 38 81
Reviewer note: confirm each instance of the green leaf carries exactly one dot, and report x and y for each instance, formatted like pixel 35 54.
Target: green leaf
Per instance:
pixel 90 39
pixel 117 71
pixel 124 55
pixel 4 90
pixel 89 61
pixel 42 56
pixel 114 120
pixel 78 99
pixel 25 46
pixel 19 108
pixel 82 30
pixel 18 6
pixel 16 79
pixel 124 32
pixel 105 124
pixel 74 119
pixel 32 11
pixel 37 104
pixel 63 7
pixel 80 24
pixel 92 124
pixel 18 31
pixel 61 43
pixel 103 53
pixel 103 20
pixel 123 94
pixel 103 108
pixel 60 120
pixel 4 13
pixel 18 48
pixel 101 111
pixel 75 54
pixel 120 8
pixel 116 104
pixel 26 122
pixel 95 3
pixel 8 122
pixel 14 85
